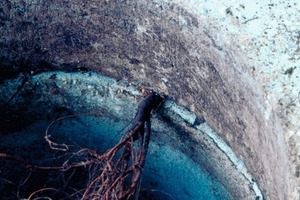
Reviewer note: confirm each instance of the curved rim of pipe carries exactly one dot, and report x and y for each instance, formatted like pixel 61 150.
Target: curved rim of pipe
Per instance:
pixel 227 167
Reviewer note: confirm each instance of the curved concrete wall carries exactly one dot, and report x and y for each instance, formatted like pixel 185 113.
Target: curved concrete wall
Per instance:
pixel 154 44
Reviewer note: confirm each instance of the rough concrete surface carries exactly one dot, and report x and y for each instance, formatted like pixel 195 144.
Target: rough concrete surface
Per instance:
pixel 160 45
pixel 267 32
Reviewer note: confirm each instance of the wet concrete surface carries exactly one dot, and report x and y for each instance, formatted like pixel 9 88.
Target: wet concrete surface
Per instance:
pixel 158 45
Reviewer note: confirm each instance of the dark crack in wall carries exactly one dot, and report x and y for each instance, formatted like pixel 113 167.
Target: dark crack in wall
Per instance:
pixel 159 45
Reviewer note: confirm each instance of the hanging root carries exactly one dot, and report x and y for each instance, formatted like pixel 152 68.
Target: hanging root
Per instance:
pixel 116 174
pixel 120 173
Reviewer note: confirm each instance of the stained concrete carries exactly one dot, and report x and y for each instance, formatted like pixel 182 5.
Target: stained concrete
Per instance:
pixel 155 44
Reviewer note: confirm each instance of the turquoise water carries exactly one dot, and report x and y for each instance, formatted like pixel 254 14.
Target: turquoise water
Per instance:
pixel 168 173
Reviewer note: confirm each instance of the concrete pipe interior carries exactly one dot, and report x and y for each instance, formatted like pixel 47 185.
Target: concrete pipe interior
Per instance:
pixel 237 152
pixel 186 159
